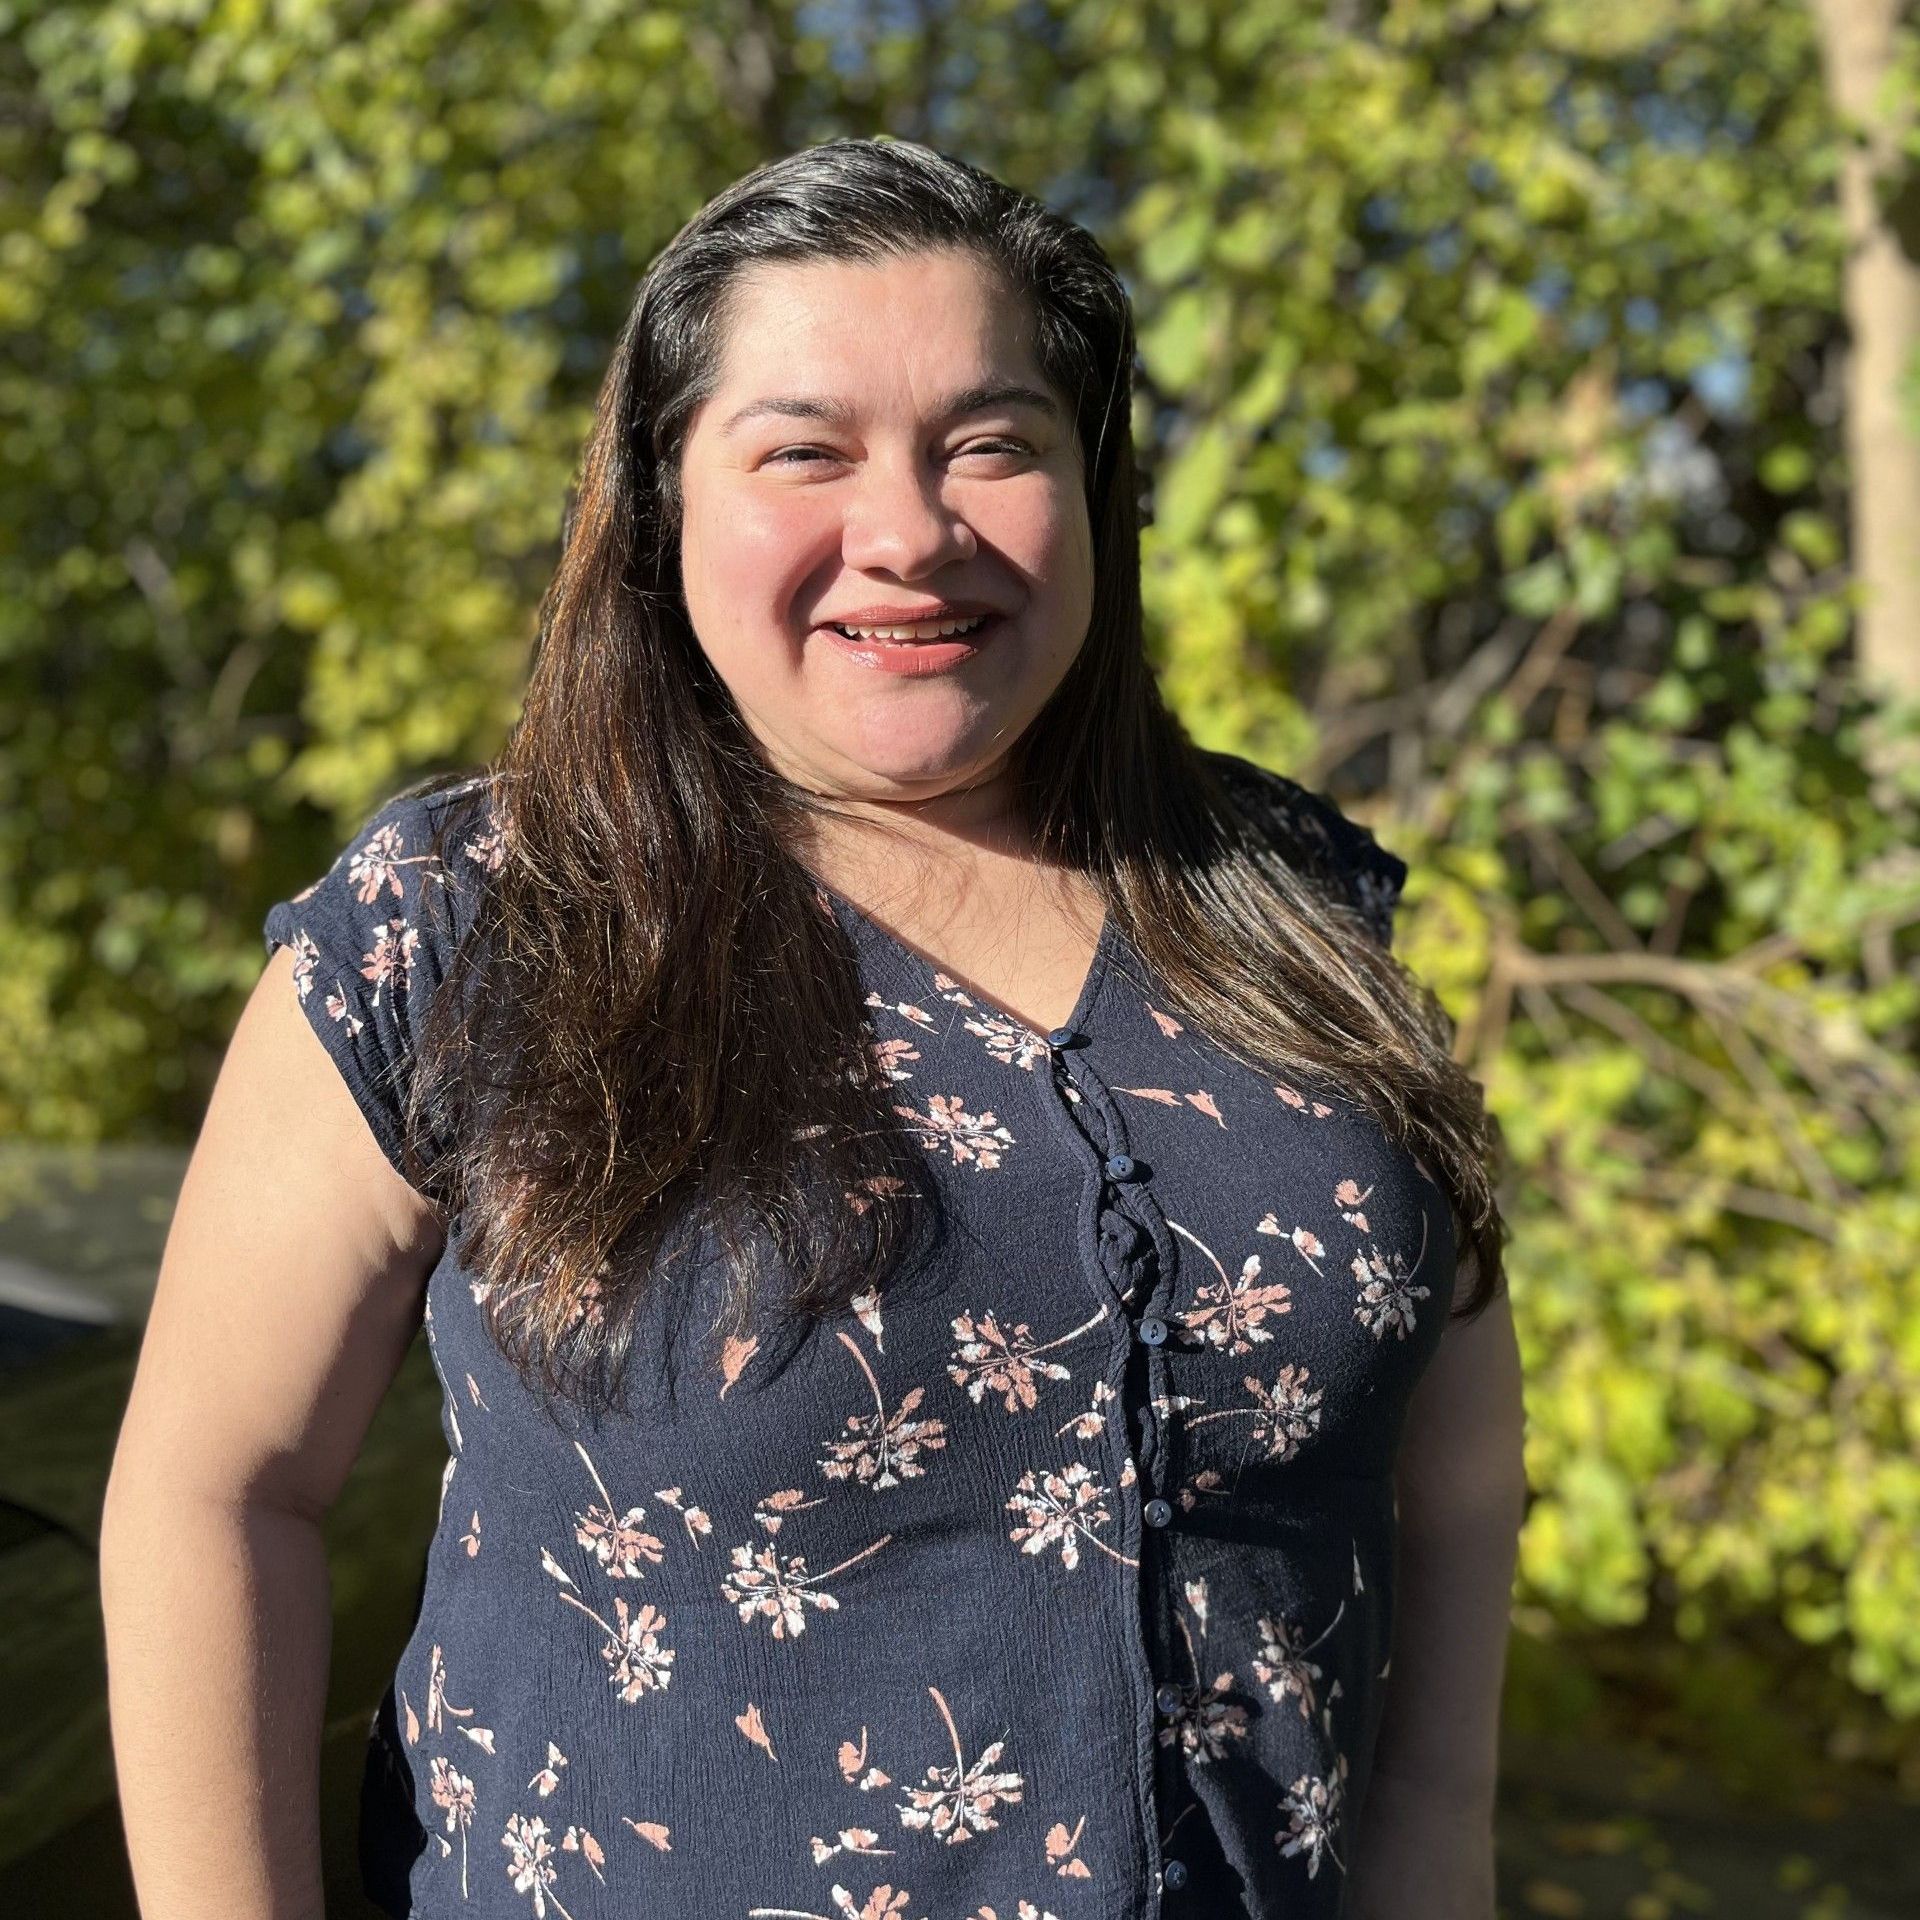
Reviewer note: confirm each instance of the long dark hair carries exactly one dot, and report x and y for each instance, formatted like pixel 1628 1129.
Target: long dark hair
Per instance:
pixel 656 1030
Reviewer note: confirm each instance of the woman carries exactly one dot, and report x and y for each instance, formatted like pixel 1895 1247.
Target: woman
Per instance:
pixel 945 1233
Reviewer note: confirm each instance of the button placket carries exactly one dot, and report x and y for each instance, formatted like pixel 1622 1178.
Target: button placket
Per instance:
pixel 1090 1115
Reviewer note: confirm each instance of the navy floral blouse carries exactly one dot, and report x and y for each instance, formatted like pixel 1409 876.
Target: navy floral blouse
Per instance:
pixel 1057 1587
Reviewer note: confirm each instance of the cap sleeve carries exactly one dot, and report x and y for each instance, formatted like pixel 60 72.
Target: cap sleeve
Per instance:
pixel 1342 852
pixel 373 936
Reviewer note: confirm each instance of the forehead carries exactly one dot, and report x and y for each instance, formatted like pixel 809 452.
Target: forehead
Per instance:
pixel 872 334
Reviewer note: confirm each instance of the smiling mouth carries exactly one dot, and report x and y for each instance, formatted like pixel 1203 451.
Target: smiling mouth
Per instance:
pixel 926 633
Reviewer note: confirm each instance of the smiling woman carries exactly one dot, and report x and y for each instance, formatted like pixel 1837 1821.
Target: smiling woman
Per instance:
pixel 964 1272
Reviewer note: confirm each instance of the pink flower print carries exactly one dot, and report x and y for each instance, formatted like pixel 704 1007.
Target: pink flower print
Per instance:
pixel 1282 1666
pixel 908 1011
pixel 1350 1197
pixel 1230 1314
pixel 390 960
pixel 854 1769
pixel 438 1707
pixel 548 1778
pixel 1204 1483
pixel 866 1309
pixel 989 1358
pixel 847 1840
pixel 956 1802
pixel 1205 1721
pixel 1200 1100
pixel 341 1009
pixel 1387 1294
pixel 618 1544
pixel 637 1662
pixel 1305 1242
pixel 693 1518
pixel 890 1058
pixel 453 1794
pixel 881 1449
pixel 1007 1040
pixel 883 1903
pixel 376 865
pixel 1300 1103
pixel 1289 1412
pixel 970 1139
pixel 770 1511
pixel 858 1196
pixel 764 1585
pixel 1060 1509
pixel 1283 1415
pixel 579 1840
pixel 488 849
pixel 755 1729
pixel 530 1863
pixel 1087 1425
pixel 1061 1845
pixel 1312 1807
pixel 306 957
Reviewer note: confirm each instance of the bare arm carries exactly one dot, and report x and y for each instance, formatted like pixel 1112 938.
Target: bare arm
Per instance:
pixel 1426 1832
pixel 288 1293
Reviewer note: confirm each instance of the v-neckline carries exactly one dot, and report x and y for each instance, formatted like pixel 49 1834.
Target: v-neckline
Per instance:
pixel 1083 1003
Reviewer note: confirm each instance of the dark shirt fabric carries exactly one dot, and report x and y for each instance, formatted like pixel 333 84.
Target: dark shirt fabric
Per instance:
pixel 1058 1585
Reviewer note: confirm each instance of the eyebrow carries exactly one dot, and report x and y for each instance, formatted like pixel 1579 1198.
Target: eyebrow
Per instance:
pixel 836 413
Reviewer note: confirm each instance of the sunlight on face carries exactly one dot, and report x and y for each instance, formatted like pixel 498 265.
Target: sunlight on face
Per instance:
pixel 883 498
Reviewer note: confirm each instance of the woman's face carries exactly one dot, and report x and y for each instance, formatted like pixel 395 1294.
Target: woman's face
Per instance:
pixel 881 442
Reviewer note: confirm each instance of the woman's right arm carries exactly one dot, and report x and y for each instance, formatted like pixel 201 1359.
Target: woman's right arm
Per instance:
pixel 289 1290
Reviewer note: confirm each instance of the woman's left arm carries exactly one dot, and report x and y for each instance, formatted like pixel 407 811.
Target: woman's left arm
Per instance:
pixel 1425 1841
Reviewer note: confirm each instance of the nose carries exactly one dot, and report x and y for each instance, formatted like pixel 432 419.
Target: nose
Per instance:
pixel 898 521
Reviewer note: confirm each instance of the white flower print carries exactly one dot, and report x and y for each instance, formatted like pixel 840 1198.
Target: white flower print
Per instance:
pixel 1282 1665
pixel 452 1793
pixel 637 1661
pixel 880 1449
pixel 1387 1294
pixel 1312 1806
pixel 767 1586
pixel 1205 1720
pixel 970 1139
pixel 618 1544
pixel 990 1358
pixel 1230 1314
pixel 530 1863
pixel 1284 1414
pixel 957 1802
pixel 1060 1509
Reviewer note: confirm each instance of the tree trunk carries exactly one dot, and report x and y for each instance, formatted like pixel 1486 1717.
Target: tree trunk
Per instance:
pixel 1882 294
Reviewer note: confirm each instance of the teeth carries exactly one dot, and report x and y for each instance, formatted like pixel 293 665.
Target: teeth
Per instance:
pixel 927 630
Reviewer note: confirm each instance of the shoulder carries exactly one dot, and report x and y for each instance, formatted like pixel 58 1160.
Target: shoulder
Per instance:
pixel 1314 832
pixel 373 936
pixel 399 894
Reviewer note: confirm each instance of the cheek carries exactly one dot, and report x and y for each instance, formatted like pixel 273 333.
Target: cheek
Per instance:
pixel 748 545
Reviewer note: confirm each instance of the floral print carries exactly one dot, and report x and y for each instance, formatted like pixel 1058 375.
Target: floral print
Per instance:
pixel 1056 1585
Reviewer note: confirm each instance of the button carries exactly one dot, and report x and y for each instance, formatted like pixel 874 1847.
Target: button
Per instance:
pixel 1153 1332
pixel 1062 1037
pixel 1156 1513
pixel 1167 1697
pixel 1122 1166
pixel 1174 1873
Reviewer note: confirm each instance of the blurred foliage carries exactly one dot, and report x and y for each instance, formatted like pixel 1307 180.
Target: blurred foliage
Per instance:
pixel 1489 389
